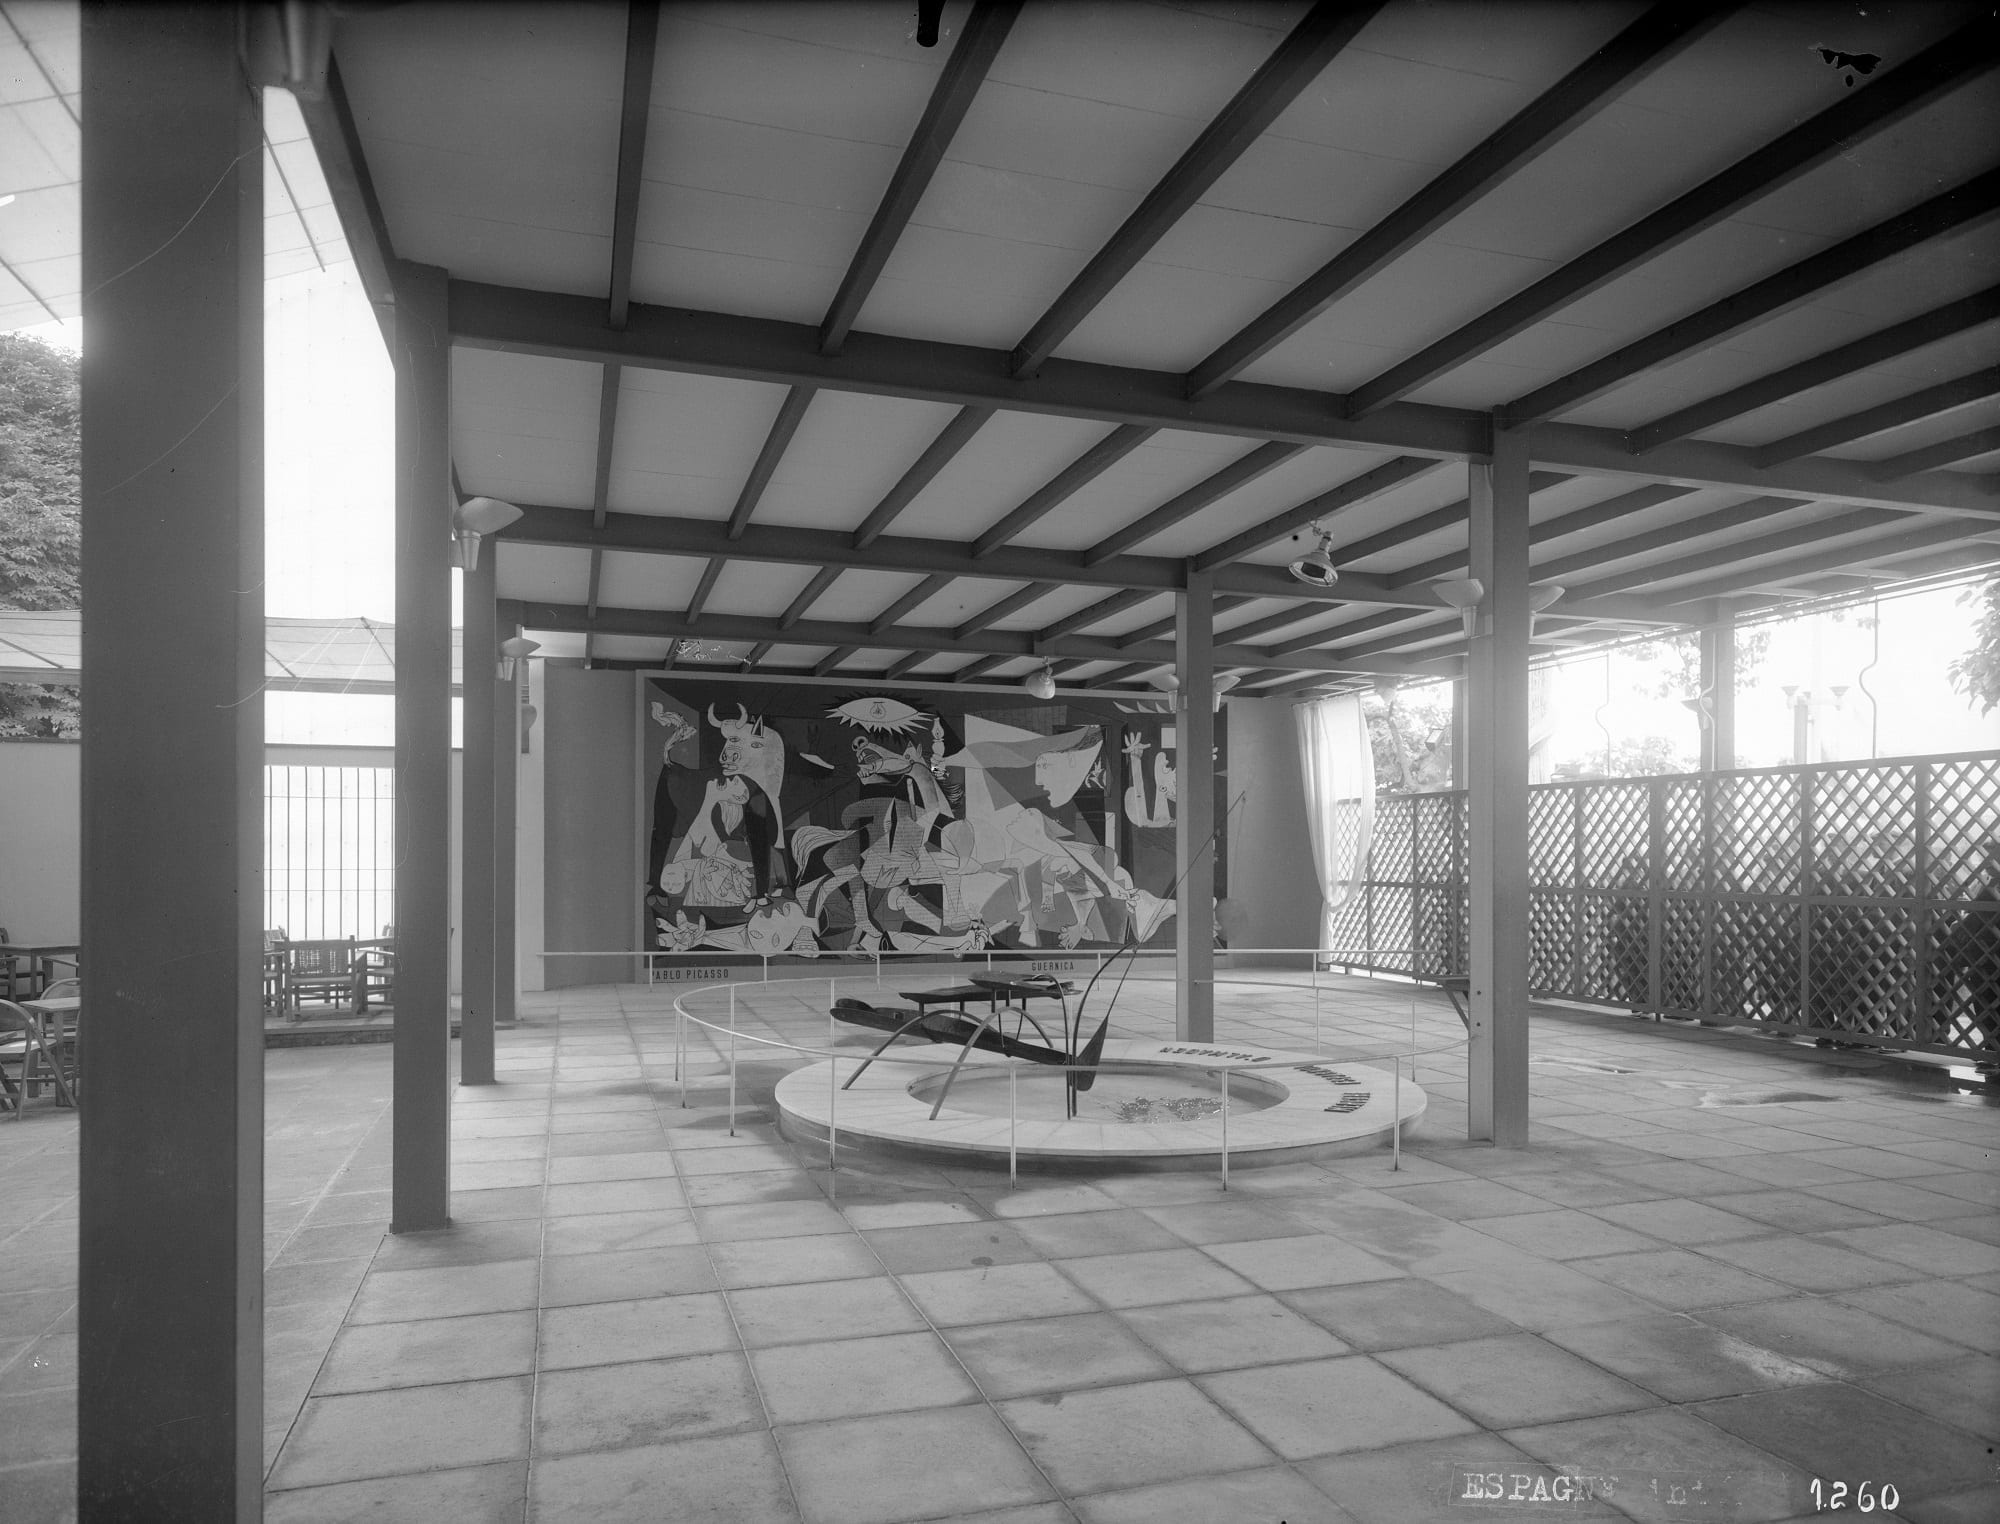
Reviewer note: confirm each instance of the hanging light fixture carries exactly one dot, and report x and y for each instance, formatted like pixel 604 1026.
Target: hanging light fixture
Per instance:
pixel 1041 682
pixel 476 517
pixel 514 649
pixel 1540 596
pixel 1463 594
pixel 1316 567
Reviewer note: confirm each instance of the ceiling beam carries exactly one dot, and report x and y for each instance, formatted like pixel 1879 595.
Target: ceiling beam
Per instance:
pixel 1756 303
pixel 973 670
pixel 796 610
pixel 999 643
pixel 905 663
pixel 642 33
pixel 1283 619
pixel 1449 516
pixel 941 451
pixel 1044 500
pixel 704 587
pixel 825 665
pixel 655 534
pixel 1944 453
pixel 336 143
pixel 1123 674
pixel 1358 489
pixel 1296 62
pixel 1917 406
pixel 776 442
pixel 923 592
pixel 763 349
pixel 1159 627
pixel 1836 130
pixel 979 42
pixel 1719 522
pixel 1622 62
pixel 1238 473
pixel 1940 323
pixel 1008 606
pixel 1103 609
pixel 1344 633
pixel 1795 538
pixel 1898 543
pixel 1622 506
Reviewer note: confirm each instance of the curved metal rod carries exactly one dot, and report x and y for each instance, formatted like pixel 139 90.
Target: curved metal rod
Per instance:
pixel 921 1013
pixel 963 1053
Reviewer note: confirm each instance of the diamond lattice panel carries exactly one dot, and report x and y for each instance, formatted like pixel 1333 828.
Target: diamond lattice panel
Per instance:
pixel 1757 960
pixel 1390 928
pixel 1757 824
pixel 1864 839
pixel 1551 940
pixel 1615 950
pixel 1863 970
pixel 1441 933
pixel 1552 836
pixel 1613 817
pixel 1391 857
pixel 1964 827
pixel 1965 978
pixel 1440 844
pixel 1680 955
pixel 1684 868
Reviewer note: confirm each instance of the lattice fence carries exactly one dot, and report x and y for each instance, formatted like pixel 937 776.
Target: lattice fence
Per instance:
pixel 1859 900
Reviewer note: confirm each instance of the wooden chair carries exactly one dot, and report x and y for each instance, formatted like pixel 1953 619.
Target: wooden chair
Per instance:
pixel 22 1043
pixel 375 973
pixel 320 971
pixel 60 1035
pixel 277 967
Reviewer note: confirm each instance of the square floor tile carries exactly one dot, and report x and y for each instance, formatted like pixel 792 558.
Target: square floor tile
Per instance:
pixel 397 1295
pixel 906 1466
pixel 588 1197
pixel 726 1479
pixel 425 1428
pixel 1971 1316
pixel 772 1219
pixel 495 1494
pixel 1158 1275
pixel 1745 1484
pixel 1231 1332
pixel 1053 1354
pixel 1921 1248
pixel 950 1246
pixel 1681 1223
pixel 624 1275
pixel 644 1402
pixel 1270 1493
pixel 1321 1407
pixel 1810 1264
pixel 1208 1222
pixel 1800 1211
pixel 780 1261
pixel 607 1232
pixel 1838 1340
pixel 1404 1483
pixel 639 1166
pixel 1071 1235
pixel 1290 1264
pixel 1462 1200
pixel 846 1378
pixel 1682 1359
pixel 657 1328
pixel 906 1213
pixel 1965 1393
pixel 475 1243
pixel 1393 1314
pixel 1564 1234
pixel 1538 1295
pixel 1679 1279
pixel 424 1352
pixel 1128 1436
pixel 995 1293
pixel 1513 1380
pixel 799 1314
pixel 1836 1430
pixel 755 1186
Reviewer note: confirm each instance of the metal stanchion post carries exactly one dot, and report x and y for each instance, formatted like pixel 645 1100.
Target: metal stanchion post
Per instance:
pixel 832 1124
pixel 1225 1129
pixel 1013 1076
pixel 732 1060
pixel 1396 1134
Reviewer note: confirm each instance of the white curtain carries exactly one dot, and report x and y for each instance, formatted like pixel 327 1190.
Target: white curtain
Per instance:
pixel 1339 769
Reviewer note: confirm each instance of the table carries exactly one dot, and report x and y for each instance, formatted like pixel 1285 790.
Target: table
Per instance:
pixel 41 958
pixel 57 1017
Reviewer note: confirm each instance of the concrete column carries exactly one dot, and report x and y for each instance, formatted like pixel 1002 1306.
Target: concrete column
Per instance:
pixel 477 825
pixel 1194 833
pixel 420 1128
pixel 1718 684
pixel 1497 753
pixel 169 1403
pixel 506 763
pixel 1461 721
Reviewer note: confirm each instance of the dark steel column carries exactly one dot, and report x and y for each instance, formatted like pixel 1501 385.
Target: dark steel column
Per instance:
pixel 170 1261
pixel 1194 810
pixel 476 826
pixel 506 795
pixel 421 1119
pixel 1497 750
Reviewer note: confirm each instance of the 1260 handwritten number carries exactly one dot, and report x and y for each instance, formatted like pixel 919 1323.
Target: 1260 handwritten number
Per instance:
pixel 1867 1496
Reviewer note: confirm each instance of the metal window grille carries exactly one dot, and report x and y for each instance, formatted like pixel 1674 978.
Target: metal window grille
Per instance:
pixel 329 858
pixel 1859 900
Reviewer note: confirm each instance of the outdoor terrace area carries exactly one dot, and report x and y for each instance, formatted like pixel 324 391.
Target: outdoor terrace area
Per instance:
pixel 1728 1260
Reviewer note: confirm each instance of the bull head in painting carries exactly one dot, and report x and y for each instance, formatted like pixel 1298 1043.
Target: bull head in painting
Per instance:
pixel 751 751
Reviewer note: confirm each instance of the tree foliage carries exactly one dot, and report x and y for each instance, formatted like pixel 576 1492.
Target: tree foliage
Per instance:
pixel 1976 674
pixel 40 520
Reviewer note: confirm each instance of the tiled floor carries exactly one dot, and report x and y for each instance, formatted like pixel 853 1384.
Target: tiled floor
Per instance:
pixel 1727 1267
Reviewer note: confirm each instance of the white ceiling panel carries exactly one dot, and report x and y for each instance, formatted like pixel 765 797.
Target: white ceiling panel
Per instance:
pixel 849 450
pixel 542 574
pixel 525 428
pixel 1306 475
pixel 1164 466
pixel 629 581
pixel 1011 457
pixel 685 444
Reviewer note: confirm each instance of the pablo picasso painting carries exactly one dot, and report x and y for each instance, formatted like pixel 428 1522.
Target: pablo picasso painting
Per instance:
pixel 798 819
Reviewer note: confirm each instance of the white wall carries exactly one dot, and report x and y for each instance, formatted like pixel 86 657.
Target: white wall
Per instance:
pixel 40 840
pixel 1271 875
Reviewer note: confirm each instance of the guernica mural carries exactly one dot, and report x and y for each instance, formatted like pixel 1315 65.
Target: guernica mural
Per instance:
pixel 790 818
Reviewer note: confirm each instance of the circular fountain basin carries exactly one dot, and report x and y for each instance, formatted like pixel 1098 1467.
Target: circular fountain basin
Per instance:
pixel 1155 1105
